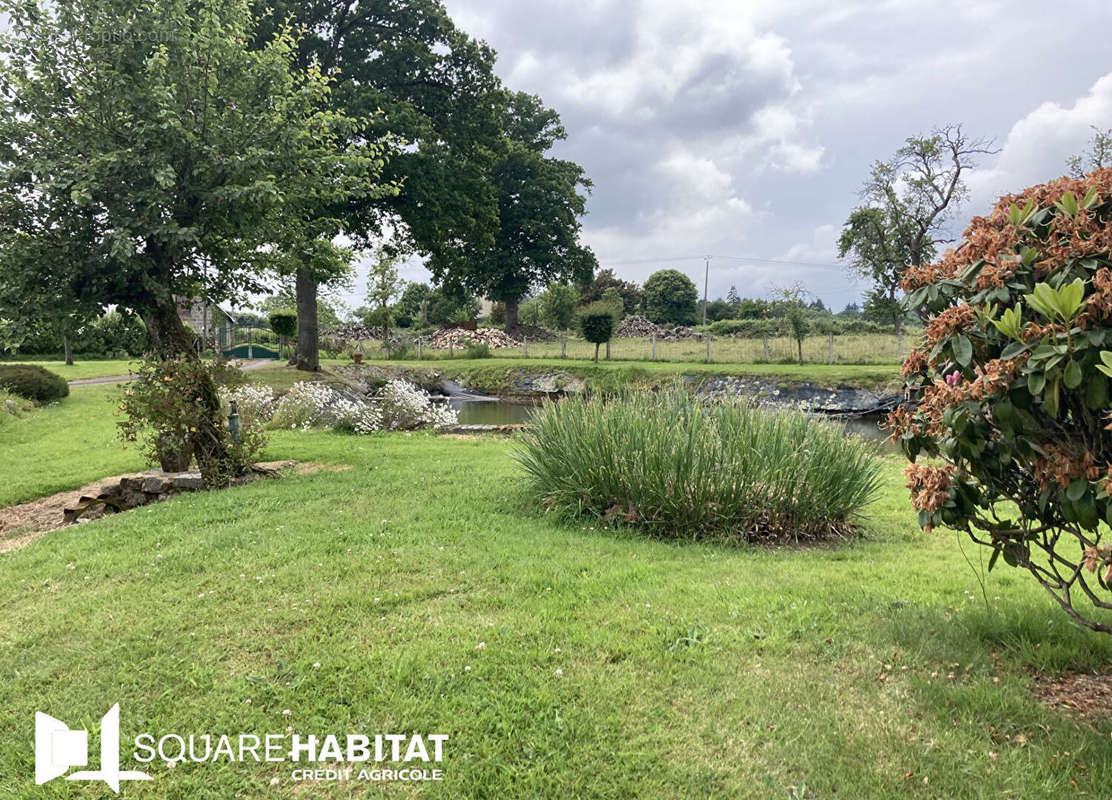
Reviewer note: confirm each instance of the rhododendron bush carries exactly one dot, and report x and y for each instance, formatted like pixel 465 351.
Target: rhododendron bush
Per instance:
pixel 1010 390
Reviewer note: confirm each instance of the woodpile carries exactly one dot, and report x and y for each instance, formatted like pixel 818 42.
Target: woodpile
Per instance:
pixel 458 339
pixel 637 327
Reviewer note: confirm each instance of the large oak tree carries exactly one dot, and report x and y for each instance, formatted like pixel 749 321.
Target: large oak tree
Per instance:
pixel 436 90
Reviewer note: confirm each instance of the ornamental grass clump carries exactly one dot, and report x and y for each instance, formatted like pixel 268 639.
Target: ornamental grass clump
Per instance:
pixel 683 467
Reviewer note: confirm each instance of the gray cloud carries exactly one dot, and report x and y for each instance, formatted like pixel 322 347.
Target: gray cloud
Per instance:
pixel 744 128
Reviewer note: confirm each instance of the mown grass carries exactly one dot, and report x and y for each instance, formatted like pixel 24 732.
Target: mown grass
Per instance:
pixel 865 670
pixel 82 369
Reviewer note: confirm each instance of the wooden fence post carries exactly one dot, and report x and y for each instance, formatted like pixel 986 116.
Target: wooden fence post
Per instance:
pixel 707 335
pixel 419 343
pixel 765 340
pixel 525 346
pixel 830 349
pixel 564 347
pixel 900 345
pixel 654 347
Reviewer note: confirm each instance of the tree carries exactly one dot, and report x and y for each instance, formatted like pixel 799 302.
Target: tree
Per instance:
pixel 284 323
pixel 908 201
pixel 732 297
pixel 540 201
pixel 792 305
pixel 160 166
pixel 383 285
pixel 606 279
pixel 436 89
pixel 1012 392
pixel 558 305
pixel 1098 156
pixel 596 323
pixel 670 298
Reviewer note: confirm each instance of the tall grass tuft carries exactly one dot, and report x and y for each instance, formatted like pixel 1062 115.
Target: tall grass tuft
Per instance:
pixel 683 467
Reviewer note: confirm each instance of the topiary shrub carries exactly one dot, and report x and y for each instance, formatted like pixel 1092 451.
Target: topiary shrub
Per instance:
pixel 679 466
pixel 596 323
pixel 33 382
pixel 1012 390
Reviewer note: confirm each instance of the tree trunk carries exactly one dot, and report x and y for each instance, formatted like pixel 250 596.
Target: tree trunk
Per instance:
pixel 308 340
pixel 169 339
pixel 68 347
pixel 511 314
pixel 799 348
pixel 596 352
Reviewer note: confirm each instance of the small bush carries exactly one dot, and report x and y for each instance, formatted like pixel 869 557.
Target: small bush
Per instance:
pixel 33 382
pixel 681 467
pixel 476 350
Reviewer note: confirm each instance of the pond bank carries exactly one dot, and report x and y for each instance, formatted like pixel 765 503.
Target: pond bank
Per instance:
pixel 827 392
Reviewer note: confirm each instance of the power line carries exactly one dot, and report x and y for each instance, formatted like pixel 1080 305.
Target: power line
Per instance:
pixel 727 258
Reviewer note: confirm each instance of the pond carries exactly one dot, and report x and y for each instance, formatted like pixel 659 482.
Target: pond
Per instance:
pixel 500 412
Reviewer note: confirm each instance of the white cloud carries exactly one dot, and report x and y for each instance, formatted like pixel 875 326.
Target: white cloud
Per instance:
pixel 1036 147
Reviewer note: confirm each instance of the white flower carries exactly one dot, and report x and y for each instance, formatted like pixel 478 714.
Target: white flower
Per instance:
pixel 559 673
pixel 273 781
pixel 286 712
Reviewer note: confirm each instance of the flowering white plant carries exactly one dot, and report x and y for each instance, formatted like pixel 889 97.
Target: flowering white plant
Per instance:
pixel 405 407
pixel 255 403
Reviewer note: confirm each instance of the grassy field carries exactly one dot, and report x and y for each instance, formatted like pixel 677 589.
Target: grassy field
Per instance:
pixel 872 348
pixel 422 590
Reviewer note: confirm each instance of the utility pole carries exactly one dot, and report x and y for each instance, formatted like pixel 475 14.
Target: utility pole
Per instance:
pixel 706 283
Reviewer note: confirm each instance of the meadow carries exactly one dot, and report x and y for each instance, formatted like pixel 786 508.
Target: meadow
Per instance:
pixel 415 585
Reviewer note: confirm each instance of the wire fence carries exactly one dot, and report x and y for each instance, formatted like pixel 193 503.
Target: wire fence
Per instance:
pixel 870 348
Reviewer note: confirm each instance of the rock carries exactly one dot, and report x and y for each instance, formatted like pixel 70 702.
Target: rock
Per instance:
pixel 188 481
pixel 153 485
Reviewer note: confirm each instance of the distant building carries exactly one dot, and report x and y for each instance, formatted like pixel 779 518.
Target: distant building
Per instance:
pixel 206 318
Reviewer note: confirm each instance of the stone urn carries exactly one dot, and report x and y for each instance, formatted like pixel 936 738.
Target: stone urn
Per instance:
pixel 174 455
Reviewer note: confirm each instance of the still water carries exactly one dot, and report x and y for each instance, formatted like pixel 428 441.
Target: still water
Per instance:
pixel 498 412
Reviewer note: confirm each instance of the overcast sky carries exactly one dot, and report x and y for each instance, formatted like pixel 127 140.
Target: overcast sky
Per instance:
pixel 744 128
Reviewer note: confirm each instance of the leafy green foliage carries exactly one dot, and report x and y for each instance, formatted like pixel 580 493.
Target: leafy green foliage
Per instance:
pixel 596 323
pixel 678 466
pixel 1014 393
pixel 33 382
pixel 606 279
pixel 283 322
pixel 161 413
pixel 670 298
pixel 540 202
pixel 558 304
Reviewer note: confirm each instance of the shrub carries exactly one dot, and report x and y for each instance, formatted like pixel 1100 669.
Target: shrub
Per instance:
pixel 164 413
pixel 33 382
pixel 1012 384
pixel 404 407
pixel 474 349
pixel 682 467
pixel 596 323
pixel 399 405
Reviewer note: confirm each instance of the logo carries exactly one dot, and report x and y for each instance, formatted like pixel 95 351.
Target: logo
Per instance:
pixel 57 748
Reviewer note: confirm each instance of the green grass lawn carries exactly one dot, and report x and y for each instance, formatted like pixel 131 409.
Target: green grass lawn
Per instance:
pixel 422 590
pixel 81 369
